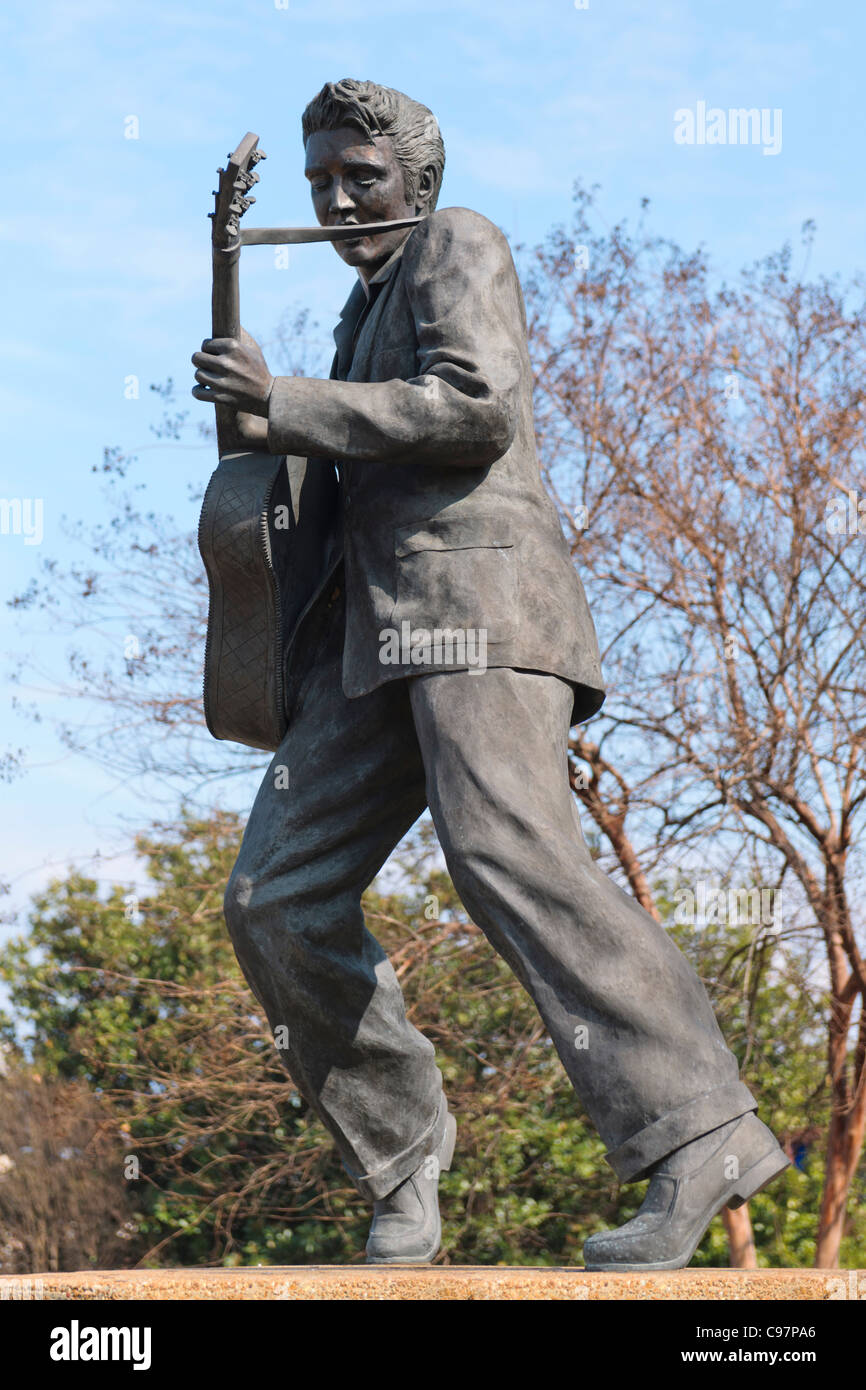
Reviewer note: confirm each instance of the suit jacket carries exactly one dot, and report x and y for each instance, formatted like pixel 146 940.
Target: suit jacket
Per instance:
pixel 442 519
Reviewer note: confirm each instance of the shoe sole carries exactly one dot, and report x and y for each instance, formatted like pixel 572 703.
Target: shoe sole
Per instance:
pixel 445 1155
pixel 753 1181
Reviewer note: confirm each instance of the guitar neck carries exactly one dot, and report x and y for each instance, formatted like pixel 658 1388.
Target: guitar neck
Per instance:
pixel 226 323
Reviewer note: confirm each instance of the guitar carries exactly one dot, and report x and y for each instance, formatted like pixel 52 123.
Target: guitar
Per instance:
pixel 249 558
pixel 266 523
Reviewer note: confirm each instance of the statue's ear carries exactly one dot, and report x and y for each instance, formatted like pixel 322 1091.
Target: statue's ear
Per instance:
pixel 426 185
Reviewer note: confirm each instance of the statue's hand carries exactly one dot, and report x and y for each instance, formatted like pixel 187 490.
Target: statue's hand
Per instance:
pixel 233 371
pixel 252 431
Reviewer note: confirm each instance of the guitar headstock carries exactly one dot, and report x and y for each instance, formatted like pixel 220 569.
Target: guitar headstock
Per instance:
pixel 231 201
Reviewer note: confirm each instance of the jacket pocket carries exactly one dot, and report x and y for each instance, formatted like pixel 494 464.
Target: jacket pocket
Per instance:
pixel 457 573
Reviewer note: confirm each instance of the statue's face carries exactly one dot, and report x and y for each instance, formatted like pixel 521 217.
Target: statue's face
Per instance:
pixel 354 180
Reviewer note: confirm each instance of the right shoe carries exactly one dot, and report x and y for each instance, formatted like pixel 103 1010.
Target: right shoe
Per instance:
pixel 407 1229
pixel 724 1167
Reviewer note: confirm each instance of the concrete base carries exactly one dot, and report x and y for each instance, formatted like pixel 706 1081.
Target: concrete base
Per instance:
pixel 448 1283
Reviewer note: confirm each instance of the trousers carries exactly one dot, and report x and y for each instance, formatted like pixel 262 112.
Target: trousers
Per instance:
pixel 487 753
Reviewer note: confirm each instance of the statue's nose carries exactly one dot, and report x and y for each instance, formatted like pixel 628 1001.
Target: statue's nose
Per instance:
pixel 340 200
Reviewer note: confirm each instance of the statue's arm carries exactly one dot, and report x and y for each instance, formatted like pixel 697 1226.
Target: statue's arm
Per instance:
pixel 461 408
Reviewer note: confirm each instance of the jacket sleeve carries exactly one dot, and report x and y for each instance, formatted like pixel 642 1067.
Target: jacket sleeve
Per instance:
pixel 461 408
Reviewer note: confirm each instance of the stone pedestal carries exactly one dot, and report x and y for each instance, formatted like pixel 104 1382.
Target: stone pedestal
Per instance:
pixel 448 1283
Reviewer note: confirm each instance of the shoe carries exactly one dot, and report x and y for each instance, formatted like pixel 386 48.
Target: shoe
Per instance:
pixel 406 1228
pixel 686 1190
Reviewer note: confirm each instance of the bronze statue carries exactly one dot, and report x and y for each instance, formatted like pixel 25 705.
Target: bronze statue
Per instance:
pixel 395 614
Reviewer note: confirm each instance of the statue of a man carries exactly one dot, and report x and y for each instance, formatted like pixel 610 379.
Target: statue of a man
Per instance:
pixel 444 656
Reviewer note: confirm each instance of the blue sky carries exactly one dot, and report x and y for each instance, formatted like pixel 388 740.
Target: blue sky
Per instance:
pixel 105 239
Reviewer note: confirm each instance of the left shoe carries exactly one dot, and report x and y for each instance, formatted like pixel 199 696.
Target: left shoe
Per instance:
pixel 407 1229
pixel 686 1190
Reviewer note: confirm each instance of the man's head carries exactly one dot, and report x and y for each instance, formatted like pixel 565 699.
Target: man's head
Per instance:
pixel 372 155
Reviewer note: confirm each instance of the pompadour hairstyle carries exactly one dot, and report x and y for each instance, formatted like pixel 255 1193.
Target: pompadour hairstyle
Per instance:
pixel 379 110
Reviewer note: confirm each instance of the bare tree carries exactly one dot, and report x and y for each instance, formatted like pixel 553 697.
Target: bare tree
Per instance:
pixel 61 1207
pixel 705 446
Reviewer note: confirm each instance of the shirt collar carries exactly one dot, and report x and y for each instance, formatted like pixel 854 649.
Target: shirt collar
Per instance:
pixel 384 272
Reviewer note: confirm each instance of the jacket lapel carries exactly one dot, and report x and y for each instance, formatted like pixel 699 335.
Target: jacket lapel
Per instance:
pixel 344 331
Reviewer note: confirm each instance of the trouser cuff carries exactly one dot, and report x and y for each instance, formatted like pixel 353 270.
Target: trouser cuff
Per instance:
pixel 377 1184
pixel 698 1116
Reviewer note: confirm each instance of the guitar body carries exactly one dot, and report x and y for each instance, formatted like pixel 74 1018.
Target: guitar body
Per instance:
pixel 265 567
pixel 244 648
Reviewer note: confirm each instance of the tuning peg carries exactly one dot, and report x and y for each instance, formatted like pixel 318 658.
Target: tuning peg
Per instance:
pixel 256 156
